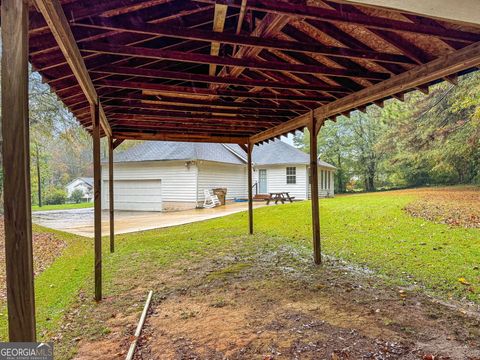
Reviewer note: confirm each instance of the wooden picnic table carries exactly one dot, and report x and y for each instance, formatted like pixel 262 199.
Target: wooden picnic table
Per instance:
pixel 280 196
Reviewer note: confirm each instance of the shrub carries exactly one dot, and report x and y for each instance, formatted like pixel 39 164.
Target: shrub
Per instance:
pixel 77 196
pixel 55 197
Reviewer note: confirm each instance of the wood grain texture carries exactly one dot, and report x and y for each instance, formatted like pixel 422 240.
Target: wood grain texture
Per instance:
pixel 317 250
pixel 250 185
pixel 16 171
pixel 57 22
pixel 111 198
pixel 97 188
pixel 466 58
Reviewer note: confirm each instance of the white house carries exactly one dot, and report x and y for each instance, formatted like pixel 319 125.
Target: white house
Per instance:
pixel 85 184
pixel 157 176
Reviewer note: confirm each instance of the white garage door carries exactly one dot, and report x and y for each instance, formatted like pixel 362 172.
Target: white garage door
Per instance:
pixel 138 195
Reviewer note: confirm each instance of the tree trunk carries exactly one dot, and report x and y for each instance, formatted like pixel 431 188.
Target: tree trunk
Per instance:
pixel 39 179
pixel 340 175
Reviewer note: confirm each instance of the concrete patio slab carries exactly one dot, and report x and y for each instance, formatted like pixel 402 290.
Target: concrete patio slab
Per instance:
pixel 80 221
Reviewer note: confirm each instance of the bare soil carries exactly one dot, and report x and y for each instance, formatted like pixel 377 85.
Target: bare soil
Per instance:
pixel 46 247
pixel 277 305
pixel 452 206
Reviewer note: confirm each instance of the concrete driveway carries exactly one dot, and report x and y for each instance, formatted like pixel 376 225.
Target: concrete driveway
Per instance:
pixel 80 221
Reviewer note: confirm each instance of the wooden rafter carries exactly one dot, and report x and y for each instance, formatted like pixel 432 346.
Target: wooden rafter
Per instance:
pixel 180 137
pixel 54 16
pixel 161 89
pixel 218 25
pixel 468 57
pixel 251 42
pixel 160 54
pixel 375 22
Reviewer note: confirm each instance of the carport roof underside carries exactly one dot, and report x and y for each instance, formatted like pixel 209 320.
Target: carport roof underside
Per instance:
pixel 237 71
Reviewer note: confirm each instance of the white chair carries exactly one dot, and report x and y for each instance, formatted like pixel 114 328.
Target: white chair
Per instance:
pixel 211 200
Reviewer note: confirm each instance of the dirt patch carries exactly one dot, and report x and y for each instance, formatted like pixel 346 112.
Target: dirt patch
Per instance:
pixel 452 206
pixel 46 247
pixel 277 305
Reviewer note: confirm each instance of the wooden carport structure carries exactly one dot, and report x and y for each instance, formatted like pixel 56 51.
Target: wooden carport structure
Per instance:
pixel 232 71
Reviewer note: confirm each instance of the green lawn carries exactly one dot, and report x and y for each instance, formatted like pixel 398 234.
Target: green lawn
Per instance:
pixel 369 230
pixel 62 206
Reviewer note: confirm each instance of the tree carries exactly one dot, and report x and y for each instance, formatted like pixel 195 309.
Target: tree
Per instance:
pixel 76 196
pixel 427 139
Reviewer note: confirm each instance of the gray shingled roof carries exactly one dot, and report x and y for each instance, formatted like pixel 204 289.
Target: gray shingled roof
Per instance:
pixel 167 150
pixel 278 152
pixel 272 153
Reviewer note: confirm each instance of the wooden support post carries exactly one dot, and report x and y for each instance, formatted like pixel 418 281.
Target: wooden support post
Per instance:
pixel 97 185
pixel 317 252
pixel 16 171
pixel 250 185
pixel 110 194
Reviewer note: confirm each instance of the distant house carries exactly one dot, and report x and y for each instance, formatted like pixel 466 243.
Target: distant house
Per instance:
pixel 156 176
pixel 85 184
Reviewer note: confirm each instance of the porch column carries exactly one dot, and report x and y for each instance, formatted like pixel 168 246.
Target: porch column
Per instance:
pixel 110 194
pixel 97 185
pixel 317 252
pixel 250 185
pixel 16 172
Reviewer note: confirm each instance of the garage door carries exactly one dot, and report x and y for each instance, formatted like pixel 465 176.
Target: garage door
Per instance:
pixel 137 195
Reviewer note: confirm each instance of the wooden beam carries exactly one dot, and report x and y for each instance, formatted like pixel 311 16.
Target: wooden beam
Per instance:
pixel 194 119
pixel 97 186
pixel 462 10
pixel 219 16
pixel 16 172
pixel 202 78
pixel 192 127
pixel 118 105
pixel 161 89
pixel 375 22
pixel 132 135
pixel 466 58
pixel 317 252
pixel 57 22
pixel 255 43
pixel 250 186
pixel 197 58
pixel 166 100
pixel 111 194
pixel 116 143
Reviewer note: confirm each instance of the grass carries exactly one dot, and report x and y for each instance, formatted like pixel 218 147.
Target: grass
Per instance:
pixel 83 205
pixel 57 287
pixel 369 230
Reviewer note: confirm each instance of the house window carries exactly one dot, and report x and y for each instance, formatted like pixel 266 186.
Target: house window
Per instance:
pixel 291 175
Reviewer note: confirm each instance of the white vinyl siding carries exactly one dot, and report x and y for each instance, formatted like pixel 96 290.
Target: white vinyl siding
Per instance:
pixel 325 183
pixel 217 175
pixel 178 178
pixel 277 180
pixel 137 195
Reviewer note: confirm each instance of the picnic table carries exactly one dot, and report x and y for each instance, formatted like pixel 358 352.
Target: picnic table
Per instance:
pixel 279 196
